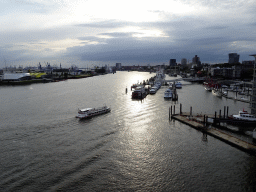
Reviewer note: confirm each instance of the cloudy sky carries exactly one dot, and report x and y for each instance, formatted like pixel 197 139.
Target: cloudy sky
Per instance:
pixel 99 32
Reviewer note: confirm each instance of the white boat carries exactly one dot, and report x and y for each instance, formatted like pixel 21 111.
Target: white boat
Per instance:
pixel 207 88
pixel 217 93
pixel 224 93
pixel 168 94
pixel 244 116
pixel 243 98
pixel 178 85
pixel 152 91
pixel 90 112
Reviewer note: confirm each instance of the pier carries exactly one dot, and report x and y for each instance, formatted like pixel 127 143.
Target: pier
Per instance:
pixel 199 122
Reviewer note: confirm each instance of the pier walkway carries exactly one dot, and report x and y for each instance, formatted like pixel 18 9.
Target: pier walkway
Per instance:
pixel 197 123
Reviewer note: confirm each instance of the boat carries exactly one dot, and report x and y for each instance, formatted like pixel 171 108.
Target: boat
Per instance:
pixel 207 88
pixel 243 117
pixel 178 85
pixel 168 94
pixel 152 91
pixel 217 93
pixel 244 99
pixel 139 93
pixel 91 112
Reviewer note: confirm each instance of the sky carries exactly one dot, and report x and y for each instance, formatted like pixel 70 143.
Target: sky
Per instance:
pixel 89 33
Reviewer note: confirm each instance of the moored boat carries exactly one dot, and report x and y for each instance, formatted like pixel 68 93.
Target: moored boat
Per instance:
pixel 139 93
pixel 243 117
pixel 168 94
pixel 217 93
pixel 178 85
pixel 90 112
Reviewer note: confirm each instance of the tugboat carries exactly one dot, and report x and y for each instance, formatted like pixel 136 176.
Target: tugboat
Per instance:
pixel 90 112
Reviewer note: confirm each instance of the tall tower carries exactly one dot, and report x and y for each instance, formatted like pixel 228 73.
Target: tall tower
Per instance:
pixel 172 62
pixel 233 58
pixel 183 61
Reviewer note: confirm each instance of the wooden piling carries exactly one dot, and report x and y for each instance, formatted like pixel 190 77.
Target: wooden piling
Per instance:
pixel 180 108
pixel 190 111
pixel 215 118
pixel 174 109
pixel 219 117
pixel 169 113
pixel 224 112
pixel 227 111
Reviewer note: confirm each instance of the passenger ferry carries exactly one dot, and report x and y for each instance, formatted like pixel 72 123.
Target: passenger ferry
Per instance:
pixel 90 112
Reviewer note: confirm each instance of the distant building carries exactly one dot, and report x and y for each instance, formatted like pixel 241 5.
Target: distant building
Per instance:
pixel 183 61
pixel 233 58
pixel 196 60
pixel 118 66
pixel 172 62
pixel 16 76
pixel 253 97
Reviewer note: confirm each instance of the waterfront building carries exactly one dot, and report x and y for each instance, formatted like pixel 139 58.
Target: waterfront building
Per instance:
pixel 253 97
pixel 233 58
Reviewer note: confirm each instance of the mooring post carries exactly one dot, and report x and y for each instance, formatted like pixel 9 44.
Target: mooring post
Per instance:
pixel 215 118
pixel 190 111
pixel 180 108
pixel 174 110
pixel 227 111
pixel 171 110
pixel 219 117
pixel 169 113
pixel 224 112
pixel 204 120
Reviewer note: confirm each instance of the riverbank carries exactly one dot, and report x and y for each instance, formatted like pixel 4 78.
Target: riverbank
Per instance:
pixel 46 80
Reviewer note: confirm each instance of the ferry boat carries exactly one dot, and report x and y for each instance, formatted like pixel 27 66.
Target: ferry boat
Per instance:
pixel 90 112
pixel 168 94
pixel 139 93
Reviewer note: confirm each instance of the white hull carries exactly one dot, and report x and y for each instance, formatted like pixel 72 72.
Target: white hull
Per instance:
pixel 89 112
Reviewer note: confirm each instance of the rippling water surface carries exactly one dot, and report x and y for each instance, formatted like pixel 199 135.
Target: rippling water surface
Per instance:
pixel 133 148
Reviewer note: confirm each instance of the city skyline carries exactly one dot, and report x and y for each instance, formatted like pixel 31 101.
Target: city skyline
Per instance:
pixel 99 32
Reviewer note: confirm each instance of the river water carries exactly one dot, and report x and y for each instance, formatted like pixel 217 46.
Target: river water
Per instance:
pixel 133 148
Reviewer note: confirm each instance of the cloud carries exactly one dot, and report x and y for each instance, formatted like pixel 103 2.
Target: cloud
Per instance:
pixel 81 31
